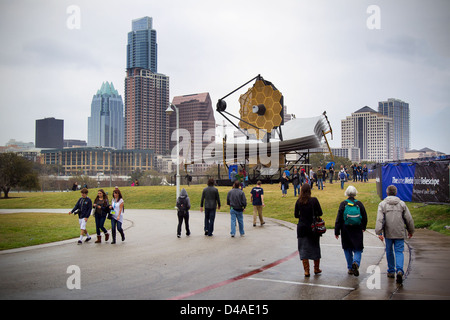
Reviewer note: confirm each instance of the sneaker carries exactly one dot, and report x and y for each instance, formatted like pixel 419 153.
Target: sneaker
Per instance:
pixel 80 242
pixel 391 275
pixel 87 239
pixel 178 235
pixel 232 235
pixel 350 271
pixel 355 268
pixel 399 277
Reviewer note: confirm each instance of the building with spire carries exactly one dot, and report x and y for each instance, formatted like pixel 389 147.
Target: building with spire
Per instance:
pixel 106 123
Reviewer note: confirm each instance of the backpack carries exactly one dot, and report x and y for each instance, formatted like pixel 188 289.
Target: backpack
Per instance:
pixel 342 175
pixel 352 214
pixel 182 204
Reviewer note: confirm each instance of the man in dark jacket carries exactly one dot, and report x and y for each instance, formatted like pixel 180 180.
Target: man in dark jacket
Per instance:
pixel 237 202
pixel 83 208
pixel 352 233
pixel 211 199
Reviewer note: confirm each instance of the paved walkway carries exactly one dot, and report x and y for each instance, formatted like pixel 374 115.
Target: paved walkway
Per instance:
pixel 154 264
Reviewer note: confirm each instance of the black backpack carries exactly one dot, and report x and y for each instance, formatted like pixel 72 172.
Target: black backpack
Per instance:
pixel 182 205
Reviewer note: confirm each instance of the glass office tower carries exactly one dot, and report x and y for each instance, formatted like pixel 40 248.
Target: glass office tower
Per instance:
pixel 106 123
pixel 142 50
pixel 398 110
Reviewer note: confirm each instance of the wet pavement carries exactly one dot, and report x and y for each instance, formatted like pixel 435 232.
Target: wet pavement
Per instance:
pixel 152 263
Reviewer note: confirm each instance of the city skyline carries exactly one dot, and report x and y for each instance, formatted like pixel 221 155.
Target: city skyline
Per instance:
pixel 326 57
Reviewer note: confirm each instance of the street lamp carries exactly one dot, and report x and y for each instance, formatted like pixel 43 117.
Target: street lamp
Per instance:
pixel 170 109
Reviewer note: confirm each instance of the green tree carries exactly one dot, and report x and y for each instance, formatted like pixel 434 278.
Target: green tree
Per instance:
pixel 16 171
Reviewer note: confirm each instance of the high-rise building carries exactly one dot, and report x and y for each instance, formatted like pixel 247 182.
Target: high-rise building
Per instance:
pixel 146 100
pixel 106 123
pixel 371 132
pixel 146 92
pixel 142 49
pixel 196 116
pixel 398 110
pixel 49 133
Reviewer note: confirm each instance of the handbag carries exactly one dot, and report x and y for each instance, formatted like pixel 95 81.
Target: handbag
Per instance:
pixel 318 225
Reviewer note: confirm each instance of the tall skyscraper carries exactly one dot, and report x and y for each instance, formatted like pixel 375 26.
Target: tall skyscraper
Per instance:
pixel 142 49
pixel 192 108
pixel 146 92
pixel 398 110
pixel 49 133
pixel 371 132
pixel 106 123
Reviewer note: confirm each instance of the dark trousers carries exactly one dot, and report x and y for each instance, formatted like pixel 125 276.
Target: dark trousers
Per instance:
pixel 118 224
pixel 210 215
pixel 185 216
pixel 99 224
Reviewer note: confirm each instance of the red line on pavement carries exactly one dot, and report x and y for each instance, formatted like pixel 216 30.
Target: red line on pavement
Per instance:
pixel 240 277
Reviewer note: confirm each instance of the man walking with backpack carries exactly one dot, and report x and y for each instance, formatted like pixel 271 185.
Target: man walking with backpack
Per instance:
pixel 351 222
pixel 392 216
pixel 183 205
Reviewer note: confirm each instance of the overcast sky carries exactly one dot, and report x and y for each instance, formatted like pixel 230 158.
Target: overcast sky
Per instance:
pixel 320 54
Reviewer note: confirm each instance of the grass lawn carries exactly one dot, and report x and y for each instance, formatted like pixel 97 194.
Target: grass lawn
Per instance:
pixel 25 229
pixel 28 229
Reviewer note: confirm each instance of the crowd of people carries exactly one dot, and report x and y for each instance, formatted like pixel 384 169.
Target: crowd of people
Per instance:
pixel 319 176
pixel 350 225
pixel 351 220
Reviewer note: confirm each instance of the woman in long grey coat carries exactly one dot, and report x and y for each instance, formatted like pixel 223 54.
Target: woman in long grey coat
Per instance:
pixel 351 235
pixel 308 242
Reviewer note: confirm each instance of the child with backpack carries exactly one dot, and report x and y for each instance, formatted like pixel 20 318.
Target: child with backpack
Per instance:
pixel 342 177
pixel 351 222
pixel 183 206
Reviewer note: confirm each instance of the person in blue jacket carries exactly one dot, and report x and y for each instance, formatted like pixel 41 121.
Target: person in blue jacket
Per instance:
pixel 83 208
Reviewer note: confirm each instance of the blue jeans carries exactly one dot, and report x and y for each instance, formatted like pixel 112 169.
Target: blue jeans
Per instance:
pixel 100 223
pixel 240 218
pixel 352 256
pixel 320 183
pixel 342 184
pixel 283 189
pixel 394 254
pixel 296 187
pixel 118 224
pixel 210 215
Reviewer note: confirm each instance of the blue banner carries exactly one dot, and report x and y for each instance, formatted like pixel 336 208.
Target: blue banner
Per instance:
pixel 426 181
pixel 400 175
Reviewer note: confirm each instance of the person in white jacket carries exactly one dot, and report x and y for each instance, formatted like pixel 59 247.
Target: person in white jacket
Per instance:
pixel 392 216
